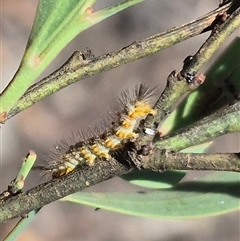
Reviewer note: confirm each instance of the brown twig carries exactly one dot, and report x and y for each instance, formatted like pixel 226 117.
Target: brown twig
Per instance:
pixel 17 205
pixel 162 160
pixel 225 24
pixel 12 206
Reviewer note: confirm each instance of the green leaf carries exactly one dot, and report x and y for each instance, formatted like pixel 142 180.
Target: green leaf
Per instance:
pixel 150 179
pixel 21 226
pixel 224 74
pixel 214 194
pixel 56 24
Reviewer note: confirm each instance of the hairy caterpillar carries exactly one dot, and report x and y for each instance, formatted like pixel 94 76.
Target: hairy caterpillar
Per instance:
pixel 134 106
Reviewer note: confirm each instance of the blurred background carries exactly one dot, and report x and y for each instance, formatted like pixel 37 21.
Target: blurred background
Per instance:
pixel 74 108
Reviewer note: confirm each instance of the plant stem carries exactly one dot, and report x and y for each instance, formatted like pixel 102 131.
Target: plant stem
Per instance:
pixel 12 206
pixel 218 36
pixel 162 160
pixel 224 121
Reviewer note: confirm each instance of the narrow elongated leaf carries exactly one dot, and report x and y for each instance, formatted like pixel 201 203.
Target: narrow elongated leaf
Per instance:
pixel 213 194
pixel 21 226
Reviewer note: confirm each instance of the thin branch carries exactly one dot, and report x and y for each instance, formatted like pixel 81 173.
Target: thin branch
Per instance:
pixel 224 121
pixel 83 64
pixel 43 194
pixel 174 89
pixel 12 206
pixel 162 160
pixel 218 36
